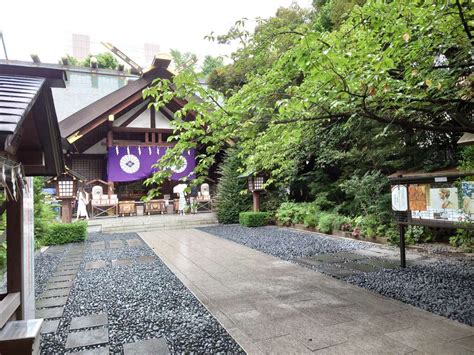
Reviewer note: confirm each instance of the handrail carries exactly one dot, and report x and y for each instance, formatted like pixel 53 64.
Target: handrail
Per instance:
pixel 8 307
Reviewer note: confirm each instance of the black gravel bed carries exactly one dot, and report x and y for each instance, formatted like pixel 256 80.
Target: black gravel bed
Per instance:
pixel 444 288
pixel 142 301
pixel 45 265
pixel 284 243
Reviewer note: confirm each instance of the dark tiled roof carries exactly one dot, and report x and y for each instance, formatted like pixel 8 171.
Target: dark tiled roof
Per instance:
pixel 17 96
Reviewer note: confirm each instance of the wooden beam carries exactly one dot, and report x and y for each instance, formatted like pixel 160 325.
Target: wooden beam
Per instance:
pixel 141 130
pixel 166 114
pixel 152 117
pixel 125 143
pixel 133 117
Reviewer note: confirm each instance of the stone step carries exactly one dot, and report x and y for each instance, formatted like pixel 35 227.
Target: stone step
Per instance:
pixel 145 228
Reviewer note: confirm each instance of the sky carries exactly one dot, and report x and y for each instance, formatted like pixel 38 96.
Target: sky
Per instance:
pixel 45 27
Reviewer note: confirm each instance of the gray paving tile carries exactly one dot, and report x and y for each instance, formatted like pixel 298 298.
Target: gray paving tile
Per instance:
pixel 115 244
pixel 95 264
pixel 467 342
pixel 56 249
pixel 326 258
pixel 54 312
pixel 121 262
pixel 87 337
pixel 146 259
pixel 147 347
pixel 99 351
pixel 134 243
pixel 341 349
pixel 338 271
pixel 285 344
pixel 56 292
pixel 50 326
pixel 381 344
pixel 92 320
pixel 51 302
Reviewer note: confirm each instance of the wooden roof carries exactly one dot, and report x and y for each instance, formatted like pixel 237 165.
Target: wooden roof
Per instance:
pixel 466 139
pixel 29 131
pixel 17 96
pixel 92 116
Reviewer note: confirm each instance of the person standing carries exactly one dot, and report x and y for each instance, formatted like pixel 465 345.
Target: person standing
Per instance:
pixel 82 202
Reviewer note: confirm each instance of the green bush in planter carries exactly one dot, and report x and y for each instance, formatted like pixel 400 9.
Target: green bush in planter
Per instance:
pixel 311 220
pixel 339 221
pixel 62 233
pixel 254 219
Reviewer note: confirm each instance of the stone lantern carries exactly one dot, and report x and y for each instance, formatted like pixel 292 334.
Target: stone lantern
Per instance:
pixel 256 185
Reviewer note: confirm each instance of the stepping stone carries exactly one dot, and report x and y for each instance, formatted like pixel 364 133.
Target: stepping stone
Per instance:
pixel 97 245
pixel 98 351
pixel 147 347
pixel 120 262
pixel 65 273
pixel 325 258
pixel 338 272
pixel 146 259
pixel 55 312
pixel 72 260
pixel 95 264
pixel 93 320
pixel 51 302
pixel 61 278
pixel 382 264
pixel 55 249
pixel 87 338
pixel 57 292
pixel 134 243
pixel 115 244
pixel 60 284
pixel 50 326
pixel 67 268
pixel 359 267
pixel 349 256
pixel 309 262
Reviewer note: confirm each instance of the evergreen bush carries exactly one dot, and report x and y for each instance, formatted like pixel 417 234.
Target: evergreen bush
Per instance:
pixel 62 233
pixel 254 219
pixel 230 200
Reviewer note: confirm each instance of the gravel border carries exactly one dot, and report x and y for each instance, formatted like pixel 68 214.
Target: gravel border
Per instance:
pixel 444 287
pixel 284 243
pixel 142 301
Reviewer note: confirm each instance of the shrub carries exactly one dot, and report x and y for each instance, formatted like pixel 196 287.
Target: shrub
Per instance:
pixel 339 221
pixel 325 222
pixel 463 239
pixel 62 233
pixel 3 255
pixel 311 220
pixel 230 200
pixel 254 219
pixel 294 213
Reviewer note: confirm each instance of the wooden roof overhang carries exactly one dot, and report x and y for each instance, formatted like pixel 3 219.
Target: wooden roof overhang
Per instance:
pixel 420 177
pixel 29 132
pixel 89 125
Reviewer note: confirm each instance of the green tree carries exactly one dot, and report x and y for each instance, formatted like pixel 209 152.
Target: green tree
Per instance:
pixel 104 61
pixel 230 200
pixel 210 64
pixel 43 212
pixel 182 60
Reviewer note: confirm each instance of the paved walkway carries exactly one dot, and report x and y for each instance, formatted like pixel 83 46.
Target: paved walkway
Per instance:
pixel 272 306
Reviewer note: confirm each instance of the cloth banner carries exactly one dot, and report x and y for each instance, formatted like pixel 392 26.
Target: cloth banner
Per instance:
pixel 135 163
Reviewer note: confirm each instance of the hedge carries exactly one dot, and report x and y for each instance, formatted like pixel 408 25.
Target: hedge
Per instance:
pixel 254 219
pixel 62 233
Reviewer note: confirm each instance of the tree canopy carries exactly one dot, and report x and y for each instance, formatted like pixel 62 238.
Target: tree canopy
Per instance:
pixel 388 87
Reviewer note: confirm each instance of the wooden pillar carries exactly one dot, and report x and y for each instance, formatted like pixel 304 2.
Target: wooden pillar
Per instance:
pixel 256 201
pixel 14 247
pixel 110 142
pixel 66 210
pixel 152 117
pixel 160 137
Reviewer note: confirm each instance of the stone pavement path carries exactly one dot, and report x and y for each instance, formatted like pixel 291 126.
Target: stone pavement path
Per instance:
pixel 272 306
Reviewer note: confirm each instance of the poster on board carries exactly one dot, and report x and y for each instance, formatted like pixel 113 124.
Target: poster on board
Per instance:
pixel 467 197
pixel 399 198
pixel 28 251
pixel 417 197
pixel 445 198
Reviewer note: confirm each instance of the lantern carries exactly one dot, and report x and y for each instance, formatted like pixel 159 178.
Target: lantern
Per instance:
pixel 256 184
